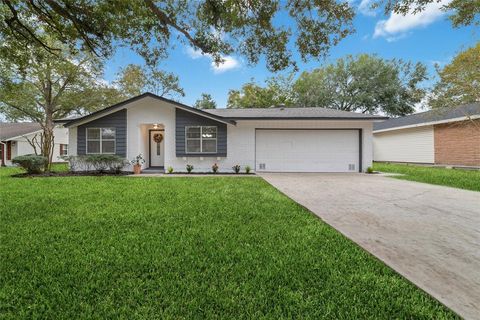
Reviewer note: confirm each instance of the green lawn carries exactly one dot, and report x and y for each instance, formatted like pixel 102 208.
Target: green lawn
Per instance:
pixel 212 247
pixel 457 178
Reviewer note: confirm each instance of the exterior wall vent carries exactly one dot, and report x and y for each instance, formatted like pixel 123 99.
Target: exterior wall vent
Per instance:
pixel 261 166
pixel 351 167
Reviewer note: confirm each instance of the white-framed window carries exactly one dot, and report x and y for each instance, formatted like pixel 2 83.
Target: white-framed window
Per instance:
pixel 63 149
pixel 100 140
pixel 201 139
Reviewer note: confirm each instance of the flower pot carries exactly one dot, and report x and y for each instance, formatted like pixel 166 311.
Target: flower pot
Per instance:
pixel 137 169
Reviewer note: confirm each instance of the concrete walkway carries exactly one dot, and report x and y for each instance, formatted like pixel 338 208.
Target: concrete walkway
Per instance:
pixel 429 234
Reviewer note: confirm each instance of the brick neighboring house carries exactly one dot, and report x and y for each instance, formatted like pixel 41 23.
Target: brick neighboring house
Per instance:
pixel 449 136
pixel 14 139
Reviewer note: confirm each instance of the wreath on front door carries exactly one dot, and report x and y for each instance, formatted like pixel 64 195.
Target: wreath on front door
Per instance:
pixel 158 137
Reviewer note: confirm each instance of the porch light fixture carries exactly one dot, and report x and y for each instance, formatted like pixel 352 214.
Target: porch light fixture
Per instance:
pixel 155 126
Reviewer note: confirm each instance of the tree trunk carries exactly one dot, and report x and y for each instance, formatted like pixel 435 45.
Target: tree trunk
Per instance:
pixel 48 142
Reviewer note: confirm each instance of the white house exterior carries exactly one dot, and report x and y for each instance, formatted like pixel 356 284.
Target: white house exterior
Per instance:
pixel 449 136
pixel 405 145
pixel 15 137
pixel 170 134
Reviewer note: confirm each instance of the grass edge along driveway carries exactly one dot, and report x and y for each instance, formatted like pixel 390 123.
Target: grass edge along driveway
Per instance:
pixel 213 247
pixel 456 178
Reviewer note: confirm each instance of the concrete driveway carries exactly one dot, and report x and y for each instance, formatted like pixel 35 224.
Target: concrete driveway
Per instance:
pixel 429 234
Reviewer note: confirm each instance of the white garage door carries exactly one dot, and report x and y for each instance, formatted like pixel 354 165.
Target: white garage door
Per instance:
pixel 307 150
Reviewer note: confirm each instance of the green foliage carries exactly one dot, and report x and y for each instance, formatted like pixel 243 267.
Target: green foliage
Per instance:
pixel 457 178
pixel 170 169
pixel 134 80
pixel 105 162
pixel 189 168
pixel 364 83
pixel 278 91
pixel 31 163
pixel 215 168
pixel 39 87
pixel 461 12
pixel 236 168
pixel 181 248
pixel 370 170
pixel 459 81
pixel 248 169
pixel 205 102
pixel 216 28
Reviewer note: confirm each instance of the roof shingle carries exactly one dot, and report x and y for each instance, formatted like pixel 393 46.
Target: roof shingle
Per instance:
pixel 429 116
pixel 290 113
pixel 11 130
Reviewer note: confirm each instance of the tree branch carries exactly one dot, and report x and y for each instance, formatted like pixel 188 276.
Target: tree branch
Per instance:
pixel 15 18
pixel 169 22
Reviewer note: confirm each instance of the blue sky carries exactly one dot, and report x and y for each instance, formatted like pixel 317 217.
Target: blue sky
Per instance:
pixel 428 38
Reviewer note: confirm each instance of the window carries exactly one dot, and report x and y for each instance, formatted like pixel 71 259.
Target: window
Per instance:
pixel 101 140
pixel 63 149
pixel 201 139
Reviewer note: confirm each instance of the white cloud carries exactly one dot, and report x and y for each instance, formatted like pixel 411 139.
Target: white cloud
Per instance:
pixel 229 62
pixel 397 25
pixel 194 54
pixel 365 7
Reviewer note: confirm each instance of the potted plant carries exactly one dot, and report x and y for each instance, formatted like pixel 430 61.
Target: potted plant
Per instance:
pixel 137 164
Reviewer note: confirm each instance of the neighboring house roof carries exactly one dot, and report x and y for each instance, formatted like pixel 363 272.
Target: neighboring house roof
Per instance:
pixel 291 113
pixel 434 116
pixel 230 115
pixel 14 130
pixel 122 104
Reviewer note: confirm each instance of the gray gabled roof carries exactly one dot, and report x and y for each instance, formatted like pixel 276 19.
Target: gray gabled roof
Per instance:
pixel 12 130
pixel 426 117
pixel 120 105
pixel 291 113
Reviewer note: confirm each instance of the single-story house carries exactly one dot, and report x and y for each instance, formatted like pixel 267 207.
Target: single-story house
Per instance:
pixel 15 137
pixel 171 134
pixel 449 136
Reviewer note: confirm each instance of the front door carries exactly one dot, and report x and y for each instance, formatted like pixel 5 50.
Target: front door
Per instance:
pixel 157 142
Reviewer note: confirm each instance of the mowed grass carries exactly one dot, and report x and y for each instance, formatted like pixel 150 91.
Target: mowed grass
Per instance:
pixel 210 247
pixel 457 178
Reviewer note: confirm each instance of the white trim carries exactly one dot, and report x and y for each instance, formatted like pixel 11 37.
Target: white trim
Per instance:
pixel 464 118
pixel 101 140
pixel 201 139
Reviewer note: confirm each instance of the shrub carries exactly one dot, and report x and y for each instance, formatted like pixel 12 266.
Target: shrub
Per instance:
pixel 189 168
pixel 248 169
pixel 170 169
pixel 105 162
pixel 30 162
pixel 369 170
pixel 215 168
pixel 236 168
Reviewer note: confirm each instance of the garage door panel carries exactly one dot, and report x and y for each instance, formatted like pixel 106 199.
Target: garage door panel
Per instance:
pixel 307 150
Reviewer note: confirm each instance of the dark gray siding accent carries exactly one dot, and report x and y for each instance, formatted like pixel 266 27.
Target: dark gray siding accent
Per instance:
pixel 184 119
pixel 117 120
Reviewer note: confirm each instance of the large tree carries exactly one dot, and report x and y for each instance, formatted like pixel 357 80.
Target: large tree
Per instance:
pixel 216 27
pixel 50 87
pixel 278 91
pixel 363 83
pixel 459 81
pixel 133 80
pixel 205 102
